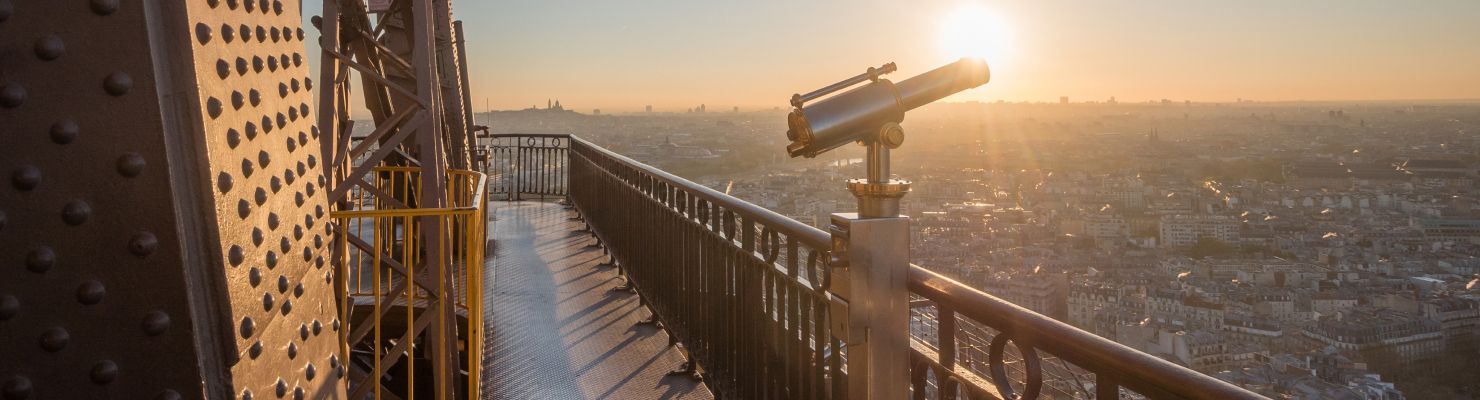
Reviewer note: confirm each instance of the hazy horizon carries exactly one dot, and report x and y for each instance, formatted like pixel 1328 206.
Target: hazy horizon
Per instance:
pixel 675 55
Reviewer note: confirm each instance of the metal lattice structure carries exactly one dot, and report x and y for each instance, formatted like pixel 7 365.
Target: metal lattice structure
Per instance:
pixel 414 84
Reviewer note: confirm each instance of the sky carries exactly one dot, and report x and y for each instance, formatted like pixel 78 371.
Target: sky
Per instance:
pixel 624 55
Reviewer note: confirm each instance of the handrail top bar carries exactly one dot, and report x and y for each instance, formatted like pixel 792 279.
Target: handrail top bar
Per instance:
pixel 476 202
pixel 806 234
pixel 1132 369
pixel 543 135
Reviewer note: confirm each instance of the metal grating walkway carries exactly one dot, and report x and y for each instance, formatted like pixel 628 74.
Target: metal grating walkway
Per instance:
pixel 556 330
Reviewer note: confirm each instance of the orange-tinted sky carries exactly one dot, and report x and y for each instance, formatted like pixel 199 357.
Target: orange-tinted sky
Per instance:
pixel 622 55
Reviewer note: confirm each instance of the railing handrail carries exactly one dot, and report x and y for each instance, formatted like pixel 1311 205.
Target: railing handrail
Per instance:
pixel 478 191
pixel 805 234
pixel 1135 370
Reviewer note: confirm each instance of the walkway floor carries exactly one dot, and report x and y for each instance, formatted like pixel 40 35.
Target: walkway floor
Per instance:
pixel 556 330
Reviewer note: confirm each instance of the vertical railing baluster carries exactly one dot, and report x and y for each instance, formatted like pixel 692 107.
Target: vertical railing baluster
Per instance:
pixel 946 332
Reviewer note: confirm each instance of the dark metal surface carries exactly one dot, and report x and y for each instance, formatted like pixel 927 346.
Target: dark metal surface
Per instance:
pixel 166 200
pixel 558 331
pixel 93 297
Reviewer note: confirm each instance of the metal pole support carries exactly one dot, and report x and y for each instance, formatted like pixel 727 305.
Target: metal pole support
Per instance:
pixel 871 311
pixel 870 266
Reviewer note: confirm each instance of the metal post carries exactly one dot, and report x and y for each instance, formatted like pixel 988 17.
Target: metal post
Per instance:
pixel 871 259
pixel 872 281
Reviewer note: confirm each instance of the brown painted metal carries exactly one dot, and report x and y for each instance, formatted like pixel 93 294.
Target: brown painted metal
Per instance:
pixel 412 83
pixel 167 197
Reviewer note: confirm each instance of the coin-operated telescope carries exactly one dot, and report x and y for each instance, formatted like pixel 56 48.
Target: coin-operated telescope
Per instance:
pixel 870 114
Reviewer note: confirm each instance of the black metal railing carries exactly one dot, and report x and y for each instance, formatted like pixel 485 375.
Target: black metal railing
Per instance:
pixel 743 290
pixel 527 165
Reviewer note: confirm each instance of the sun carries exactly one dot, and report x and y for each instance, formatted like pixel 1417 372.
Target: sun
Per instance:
pixel 975 31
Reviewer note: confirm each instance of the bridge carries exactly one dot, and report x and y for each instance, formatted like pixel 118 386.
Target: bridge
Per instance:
pixel 191 214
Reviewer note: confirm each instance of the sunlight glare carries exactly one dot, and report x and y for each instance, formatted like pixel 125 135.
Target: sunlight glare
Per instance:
pixel 975 31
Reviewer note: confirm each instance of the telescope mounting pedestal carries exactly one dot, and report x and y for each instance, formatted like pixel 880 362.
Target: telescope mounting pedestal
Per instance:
pixel 878 195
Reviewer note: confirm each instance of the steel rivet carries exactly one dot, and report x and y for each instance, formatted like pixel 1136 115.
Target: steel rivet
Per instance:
pixel 241 66
pixel 223 182
pixel 156 323
pixel 255 350
pixel 282 284
pixel 266 124
pixel 40 259
pixel 257 236
pixel 50 47
pixel 303 331
pixel 307 254
pixel 272 221
pixel 248 327
pixel 213 3
pixel 287 306
pixel 54 339
pixel 64 131
pixel 310 372
pixel 292 350
pixel 317 327
pixel 298 290
pixel 237 100
pixel 275 184
pixel 130 164
pixel 247 168
pixel 17 388
pixel 104 7
pixel 254 277
pixel 271 260
pixel 297 393
pixel 118 83
pixel 214 108
pixel 223 69
pixel 246 394
pixel 26 177
pixel 104 372
pixel 76 212
pixel 9 307
pixel 202 33
pixel 12 95
pixel 267 302
pixel 260 196
pixel 143 244
pixel 235 255
pixel 280 387
pixel 90 292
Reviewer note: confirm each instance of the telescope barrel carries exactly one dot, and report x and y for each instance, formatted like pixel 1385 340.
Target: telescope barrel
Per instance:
pixel 851 115
pixel 941 82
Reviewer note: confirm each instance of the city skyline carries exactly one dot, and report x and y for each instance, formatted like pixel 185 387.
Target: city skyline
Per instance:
pixel 675 55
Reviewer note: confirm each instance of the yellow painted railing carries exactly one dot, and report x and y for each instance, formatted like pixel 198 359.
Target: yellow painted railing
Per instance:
pixel 394 253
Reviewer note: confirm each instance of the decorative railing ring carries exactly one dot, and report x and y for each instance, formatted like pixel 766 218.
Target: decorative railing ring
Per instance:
pixel 770 244
pixel 1033 383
